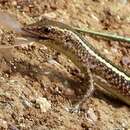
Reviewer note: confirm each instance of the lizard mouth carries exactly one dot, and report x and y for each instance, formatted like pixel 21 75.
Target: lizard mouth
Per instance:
pixel 26 32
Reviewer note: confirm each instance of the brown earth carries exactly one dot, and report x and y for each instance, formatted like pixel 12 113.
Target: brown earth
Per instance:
pixel 39 85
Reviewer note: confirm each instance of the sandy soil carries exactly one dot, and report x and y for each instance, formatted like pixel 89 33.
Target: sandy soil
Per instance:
pixel 39 85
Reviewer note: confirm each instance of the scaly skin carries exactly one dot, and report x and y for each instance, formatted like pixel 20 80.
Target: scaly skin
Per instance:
pixel 70 43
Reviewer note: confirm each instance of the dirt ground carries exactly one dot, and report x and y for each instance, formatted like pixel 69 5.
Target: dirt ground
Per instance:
pixel 39 85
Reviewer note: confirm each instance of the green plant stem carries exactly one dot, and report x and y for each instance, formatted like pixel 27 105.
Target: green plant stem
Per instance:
pixel 105 35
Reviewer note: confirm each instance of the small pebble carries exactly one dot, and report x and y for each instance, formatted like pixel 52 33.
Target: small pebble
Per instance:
pixel 26 103
pixel 3 124
pixel 51 61
pixel 125 60
pixel 91 116
pixel 43 104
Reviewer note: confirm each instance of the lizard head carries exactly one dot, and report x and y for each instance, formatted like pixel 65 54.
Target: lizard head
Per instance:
pixel 58 32
pixel 45 28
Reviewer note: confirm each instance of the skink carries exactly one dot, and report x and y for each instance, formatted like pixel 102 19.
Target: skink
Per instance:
pixel 84 55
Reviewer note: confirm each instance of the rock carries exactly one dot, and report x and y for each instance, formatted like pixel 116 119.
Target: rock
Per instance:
pixel 91 116
pixel 3 124
pixel 43 104
pixel 125 60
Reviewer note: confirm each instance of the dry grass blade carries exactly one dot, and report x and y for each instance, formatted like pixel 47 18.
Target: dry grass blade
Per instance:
pixel 105 35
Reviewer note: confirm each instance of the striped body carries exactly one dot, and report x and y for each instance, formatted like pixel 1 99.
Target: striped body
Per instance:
pixel 82 53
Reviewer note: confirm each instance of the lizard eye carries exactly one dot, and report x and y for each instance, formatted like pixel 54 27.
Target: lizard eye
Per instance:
pixel 47 29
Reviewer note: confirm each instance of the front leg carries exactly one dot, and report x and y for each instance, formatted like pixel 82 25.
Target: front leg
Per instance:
pixel 88 83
